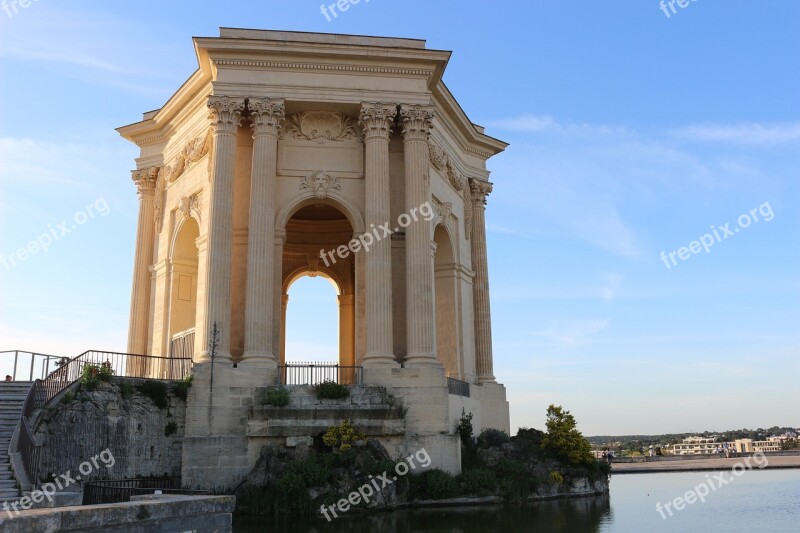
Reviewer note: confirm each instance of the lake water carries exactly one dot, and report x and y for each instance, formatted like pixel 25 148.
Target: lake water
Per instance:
pixel 757 501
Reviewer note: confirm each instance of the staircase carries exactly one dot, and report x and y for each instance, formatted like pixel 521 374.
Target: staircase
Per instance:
pixel 12 396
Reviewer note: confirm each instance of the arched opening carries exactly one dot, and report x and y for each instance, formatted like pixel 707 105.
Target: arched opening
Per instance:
pixel 312 320
pixel 447 317
pixel 183 290
pixel 319 271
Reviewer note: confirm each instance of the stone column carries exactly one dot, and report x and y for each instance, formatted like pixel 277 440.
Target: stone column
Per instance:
pixel 377 121
pixel 420 320
pixel 483 319
pixel 145 181
pixel 266 116
pixel 226 114
pixel 347 330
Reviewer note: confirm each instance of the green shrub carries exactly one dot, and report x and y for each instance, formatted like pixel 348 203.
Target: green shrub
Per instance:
pixel 555 477
pixel 170 429
pixel 516 483
pixel 434 485
pixel 492 437
pixel 342 437
pixel 125 389
pixel 182 387
pixel 563 440
pixel 68 398
pixel 156 391
pixel 330 390
pixel 477 481
pixel 92 375
pixel 277 397
pixel 464 427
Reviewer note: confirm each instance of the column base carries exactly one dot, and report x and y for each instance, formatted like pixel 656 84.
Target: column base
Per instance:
pixel 260 360
pixel 385 361
pixel 487 379
pixel 221 358
pixel 424 360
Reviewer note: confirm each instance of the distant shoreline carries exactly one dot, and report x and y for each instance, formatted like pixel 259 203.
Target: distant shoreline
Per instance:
pixel 704 464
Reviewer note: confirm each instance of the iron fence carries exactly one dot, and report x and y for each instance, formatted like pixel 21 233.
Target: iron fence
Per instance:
pixel 316 373
pixel 458 387
pixel 30 365
pixel 100 492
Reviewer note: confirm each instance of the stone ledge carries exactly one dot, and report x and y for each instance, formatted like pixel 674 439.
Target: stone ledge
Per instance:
pixel 146 513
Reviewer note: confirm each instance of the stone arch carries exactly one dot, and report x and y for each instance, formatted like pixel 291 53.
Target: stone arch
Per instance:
pixel 334 199
pixel 310 226
pixel 446 288
pixel 183 280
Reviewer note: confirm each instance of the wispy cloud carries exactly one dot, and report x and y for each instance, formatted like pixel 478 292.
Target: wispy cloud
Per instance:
pixel 573 333
pixel 550 125
pixel 746 133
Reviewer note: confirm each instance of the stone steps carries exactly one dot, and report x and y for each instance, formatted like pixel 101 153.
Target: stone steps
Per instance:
pixel 12 398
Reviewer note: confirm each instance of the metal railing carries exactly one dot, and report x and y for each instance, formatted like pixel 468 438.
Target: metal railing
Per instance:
pixel 121 364
pixel 30 365
pixel 316 373
pixel 100 492
pixel 182 344
pixel 458 387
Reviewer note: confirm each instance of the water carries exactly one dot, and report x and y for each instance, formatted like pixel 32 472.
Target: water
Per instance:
pixel 758 501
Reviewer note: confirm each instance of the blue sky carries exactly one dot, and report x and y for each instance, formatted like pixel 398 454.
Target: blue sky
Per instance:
pixel 631 134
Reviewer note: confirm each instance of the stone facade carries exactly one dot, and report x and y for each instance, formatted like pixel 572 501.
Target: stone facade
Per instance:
pixel 283 150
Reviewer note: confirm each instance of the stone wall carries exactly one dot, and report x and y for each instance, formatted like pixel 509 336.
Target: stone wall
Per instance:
pixel 81 424
pixel 144 514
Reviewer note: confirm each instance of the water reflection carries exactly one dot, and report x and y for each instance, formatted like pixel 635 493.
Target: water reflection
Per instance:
pixel 558 516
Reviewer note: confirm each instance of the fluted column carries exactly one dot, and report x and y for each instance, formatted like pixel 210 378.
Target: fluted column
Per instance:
pixel 226 115
pixel 145 181
pixel 266 116
pixel 347 330
pixel 420 321
pixel 483 319
pixel 377 120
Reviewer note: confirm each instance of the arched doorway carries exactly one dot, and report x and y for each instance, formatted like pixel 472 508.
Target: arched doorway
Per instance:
pixel 317 235
pixel 312 320
pixel 447 316
pixel 183 290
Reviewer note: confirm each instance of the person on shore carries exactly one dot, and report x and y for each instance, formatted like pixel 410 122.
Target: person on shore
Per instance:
pixel 9 378
pixel 727 448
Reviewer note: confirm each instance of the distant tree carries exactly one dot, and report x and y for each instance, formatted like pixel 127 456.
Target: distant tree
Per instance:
pixel 563 440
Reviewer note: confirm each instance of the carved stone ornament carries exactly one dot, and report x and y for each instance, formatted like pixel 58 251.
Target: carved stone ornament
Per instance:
pixel 444 209
pixel 320 184
pixel 321 127
pixel 145 180
pixel 417 121
pixel 193 152
pixel 377 119
pixel 190 204
pixel 225 112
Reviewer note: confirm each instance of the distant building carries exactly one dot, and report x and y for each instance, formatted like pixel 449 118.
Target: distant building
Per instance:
pixel 695 445
pixel 772 444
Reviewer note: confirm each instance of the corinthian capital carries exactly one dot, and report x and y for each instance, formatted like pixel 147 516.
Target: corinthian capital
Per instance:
pixel 145 180
pixel 417 121
pixel 226 112
pixel 267 115
pixel 480 190
pixel 377 119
